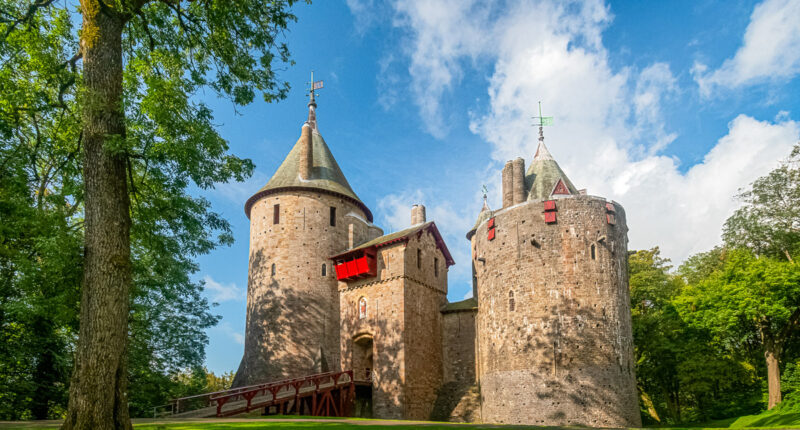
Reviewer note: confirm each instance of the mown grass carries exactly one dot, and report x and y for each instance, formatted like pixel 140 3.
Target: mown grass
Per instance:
pixel 775 419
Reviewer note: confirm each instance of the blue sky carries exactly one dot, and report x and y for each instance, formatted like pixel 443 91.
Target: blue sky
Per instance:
pixel 665 107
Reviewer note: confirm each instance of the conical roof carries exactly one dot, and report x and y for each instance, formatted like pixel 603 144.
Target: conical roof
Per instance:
pixel 326 176
pixel 485 214
pixel 543 175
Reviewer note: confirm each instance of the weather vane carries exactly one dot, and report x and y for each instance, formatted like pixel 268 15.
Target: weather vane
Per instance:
pixel 314 85
pixel 542 121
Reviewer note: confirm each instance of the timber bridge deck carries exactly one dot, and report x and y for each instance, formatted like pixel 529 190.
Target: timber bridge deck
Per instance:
pixel 325 394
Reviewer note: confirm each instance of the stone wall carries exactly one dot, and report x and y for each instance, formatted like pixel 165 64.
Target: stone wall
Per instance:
pixel 293 314
pixel 562 353
pixel 425 294
pixel 384 323
pixel 458 398
pixel 404 323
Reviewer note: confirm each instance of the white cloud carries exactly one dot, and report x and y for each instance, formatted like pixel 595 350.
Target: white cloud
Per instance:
pixel 435 54
pixel 219 293
pixel 769 50
pixel 227 330
pixel 238 192
pixel 452 221
pixel 608 130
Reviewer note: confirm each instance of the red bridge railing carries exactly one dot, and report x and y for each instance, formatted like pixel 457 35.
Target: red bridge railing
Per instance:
pixel 323 394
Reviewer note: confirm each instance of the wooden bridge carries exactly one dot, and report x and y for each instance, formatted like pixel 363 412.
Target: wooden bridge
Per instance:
pixel 323 394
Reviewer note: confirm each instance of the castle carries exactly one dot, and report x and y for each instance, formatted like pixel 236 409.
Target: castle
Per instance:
pixel 545 339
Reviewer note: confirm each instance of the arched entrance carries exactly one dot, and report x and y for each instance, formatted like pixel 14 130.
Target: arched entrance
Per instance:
pixel 363 354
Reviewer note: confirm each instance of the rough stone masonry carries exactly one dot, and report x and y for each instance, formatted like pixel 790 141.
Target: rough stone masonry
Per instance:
pixel 545 339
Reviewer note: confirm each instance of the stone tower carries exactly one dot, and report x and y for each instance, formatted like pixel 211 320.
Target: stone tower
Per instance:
pixel 554 342
pixel 303 215
pixel 391 325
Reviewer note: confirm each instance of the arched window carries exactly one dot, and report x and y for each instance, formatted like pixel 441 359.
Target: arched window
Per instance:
pixel 362 308
pixel 593 252
pixel 273 269
pixel 324 269
pixel 511 300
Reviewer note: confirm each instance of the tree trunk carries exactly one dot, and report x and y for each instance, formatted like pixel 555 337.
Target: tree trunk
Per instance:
pixel 771 352
pixel 98 391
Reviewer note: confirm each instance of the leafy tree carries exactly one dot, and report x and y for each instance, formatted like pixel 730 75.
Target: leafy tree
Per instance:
pixel 40 236
pixel 749 303
pixel 683 373
pixel 126 81
pixel 769 222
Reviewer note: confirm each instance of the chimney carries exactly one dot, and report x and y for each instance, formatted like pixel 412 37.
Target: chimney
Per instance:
pixel 306 153
pixel 508 184
pixel 417 214
pixel 518 180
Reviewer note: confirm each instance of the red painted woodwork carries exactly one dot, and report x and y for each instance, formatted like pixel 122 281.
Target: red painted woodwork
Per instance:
pixel 491 223
pixel 360 264
pixel 550 217
pixel 610 207
pixel 352 269
pixel 324 394
pixel 561 188
pixel 611 218
pixel 491 234
pixel 549 205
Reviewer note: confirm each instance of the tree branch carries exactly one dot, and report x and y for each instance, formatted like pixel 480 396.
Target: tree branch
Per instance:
pixel 25 19
pixel 790 326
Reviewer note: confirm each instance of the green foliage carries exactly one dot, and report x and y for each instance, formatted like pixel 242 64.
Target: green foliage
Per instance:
pixel 171 51
pixel 685 375
pixel 769 222
pixel 744 298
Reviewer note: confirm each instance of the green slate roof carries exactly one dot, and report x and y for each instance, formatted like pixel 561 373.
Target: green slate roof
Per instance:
pixel 464 305
pixel 543 174
pixel 325 174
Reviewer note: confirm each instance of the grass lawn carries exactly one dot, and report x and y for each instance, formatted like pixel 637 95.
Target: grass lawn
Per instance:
pixel 766 420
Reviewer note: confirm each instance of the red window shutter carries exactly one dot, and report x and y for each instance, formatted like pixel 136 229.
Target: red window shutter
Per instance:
pixel 610 207
pixel 550 217
pixel 491 223
pixel 549 205
pixel 491 234
pixel 611 218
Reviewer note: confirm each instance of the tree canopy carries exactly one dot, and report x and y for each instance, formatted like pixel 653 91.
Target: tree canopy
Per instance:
pixel 53 97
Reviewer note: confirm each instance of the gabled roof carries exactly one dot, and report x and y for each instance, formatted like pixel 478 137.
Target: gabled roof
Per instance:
pixel 543 175
pixel 326 176
pixel 402 236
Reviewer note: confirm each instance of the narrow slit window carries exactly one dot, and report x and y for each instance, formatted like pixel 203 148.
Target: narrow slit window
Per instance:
pixel 276 214
pixel 333 216
pixel 272 271
pixel 324 269
pixel 511 300
pixel 594 253
pixel 435 267
pixel 419 259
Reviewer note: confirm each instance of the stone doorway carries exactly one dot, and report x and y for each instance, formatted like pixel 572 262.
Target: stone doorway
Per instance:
pixel 363 365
